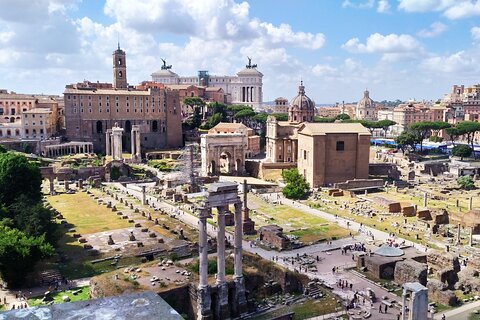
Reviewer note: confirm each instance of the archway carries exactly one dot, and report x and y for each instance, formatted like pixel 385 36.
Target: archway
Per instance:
pixel 226 162
pixel 128 126
pixel 154 126
pixel 12 119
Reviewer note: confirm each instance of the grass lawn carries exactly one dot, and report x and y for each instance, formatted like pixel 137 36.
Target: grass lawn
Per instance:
pixel 307 227
pixel 304 310
pixel 85 214
pixel 57 297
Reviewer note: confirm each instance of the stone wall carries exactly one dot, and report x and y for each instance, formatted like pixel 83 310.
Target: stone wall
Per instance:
pixel 389 170
pixel 410 271
pixel 359 184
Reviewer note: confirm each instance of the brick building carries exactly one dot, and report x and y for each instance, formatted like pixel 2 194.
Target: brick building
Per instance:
pixel 333 152
pixel 92 108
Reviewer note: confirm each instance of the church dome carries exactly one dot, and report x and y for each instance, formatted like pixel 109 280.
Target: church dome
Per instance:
pixel 301 101
pixel 366 101
pixel 302 108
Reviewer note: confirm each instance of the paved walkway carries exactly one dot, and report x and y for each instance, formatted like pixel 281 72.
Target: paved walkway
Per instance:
pixel 331 254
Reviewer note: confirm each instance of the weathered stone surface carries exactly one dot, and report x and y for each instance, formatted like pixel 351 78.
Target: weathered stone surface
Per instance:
pixel 410 271
pixel 468 280
pixel 437 292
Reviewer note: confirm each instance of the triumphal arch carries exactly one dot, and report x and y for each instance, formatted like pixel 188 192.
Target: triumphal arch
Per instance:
pixel 223 153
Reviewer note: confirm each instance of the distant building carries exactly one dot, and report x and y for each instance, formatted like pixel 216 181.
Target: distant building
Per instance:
pixel 15 108
pixel 281 106
pixel 366 108
pixel 406 114
pixel 92 108
pixel 281 136
pixel 244 88
pixel 333 152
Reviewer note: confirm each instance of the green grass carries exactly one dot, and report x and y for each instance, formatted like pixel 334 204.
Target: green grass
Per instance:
pixel 304 310
pixel 83 295
pixel 85 214
pixel 308 227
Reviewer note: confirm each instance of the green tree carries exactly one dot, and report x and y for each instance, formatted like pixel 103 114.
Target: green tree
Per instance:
pixel 244 113
pixel 280 116
pixel 194 102
pixel 462 151
pixel 19 254
pixel 32 218
pixel 296 185
pixel 213 121
pixel 422 129
pixel 437 126
pixel 468 129
pixel 453 133
pixel 406 141
pixel 342 116
pixel 18 176
pixel 322 119
pixel 385 124
pixel 466 182
pixel 3 149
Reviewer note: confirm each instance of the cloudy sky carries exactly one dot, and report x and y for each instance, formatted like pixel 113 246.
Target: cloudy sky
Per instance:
pixel 398 49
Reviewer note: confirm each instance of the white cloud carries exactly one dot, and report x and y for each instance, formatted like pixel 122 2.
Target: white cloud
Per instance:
pixel 361 5
pixel 435 29
pixel 324 70
pixel 452 9
pixel 426 5
pixel 459 63
pixel 377 43
pixel 463 9
pixel 475 32
pixel 383 6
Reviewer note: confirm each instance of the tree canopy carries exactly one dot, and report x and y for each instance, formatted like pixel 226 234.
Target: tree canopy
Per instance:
pixel 18 176
pixel 194 101
pixel 342 116
pixel 462 151
pixel 296 185
pixel 406 141
pixel 466 182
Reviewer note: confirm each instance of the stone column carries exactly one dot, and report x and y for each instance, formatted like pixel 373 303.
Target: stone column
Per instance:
pixel 248 224
pixel 240 298
pixel 204 299
pixel 132 143
pixel 52 186
pixel 80 184
pixel 221 245
pixel 470 238
pixel 458 234
pixel 424 199
pixel 144 199
pixel 203 246
pixel 470 203
pixel 223 312
pixel 117 143
pixel 138 143
pixel 67 185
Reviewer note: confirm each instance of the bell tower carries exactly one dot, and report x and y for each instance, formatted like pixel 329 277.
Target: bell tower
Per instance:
pixel 119 69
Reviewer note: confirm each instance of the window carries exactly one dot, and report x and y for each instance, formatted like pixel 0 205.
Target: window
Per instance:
pixel 305 154
pixel 340 145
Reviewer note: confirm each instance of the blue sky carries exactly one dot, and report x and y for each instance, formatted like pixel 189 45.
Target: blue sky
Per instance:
pixel 398 49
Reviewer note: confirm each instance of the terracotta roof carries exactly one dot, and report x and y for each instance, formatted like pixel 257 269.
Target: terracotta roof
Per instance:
pixel 228 125
pixel 120 92
pixel 324 128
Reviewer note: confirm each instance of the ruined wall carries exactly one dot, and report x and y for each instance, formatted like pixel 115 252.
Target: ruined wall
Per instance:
pixel 410 271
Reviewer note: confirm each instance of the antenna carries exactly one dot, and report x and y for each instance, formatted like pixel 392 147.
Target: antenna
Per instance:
pixel 118 40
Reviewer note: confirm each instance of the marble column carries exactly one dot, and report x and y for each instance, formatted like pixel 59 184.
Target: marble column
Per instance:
pixel 240 297
pixel 424 199
pixel 470 242
pixel 204 299
pixel 144 196
pixel 223 308
pixel 248 224
pixel 221 245
pixel 203 246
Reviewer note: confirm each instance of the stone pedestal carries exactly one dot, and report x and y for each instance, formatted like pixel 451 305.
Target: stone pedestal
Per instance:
pixel 80 184
pixel 223 311
pixel 204 301
pixel 52 186
pixel 240 306
pixel 67 185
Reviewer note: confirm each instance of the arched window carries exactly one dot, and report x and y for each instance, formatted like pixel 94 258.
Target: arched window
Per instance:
pixel 9 133
pixel 154 126
pixel 120 74
pixel 17 132
pixel 12 119
pixel 119 61
pixel 99 127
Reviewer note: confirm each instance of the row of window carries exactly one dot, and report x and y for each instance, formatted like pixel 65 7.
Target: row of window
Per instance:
pixel 118 110
pixel 74 97
pixel 8 132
